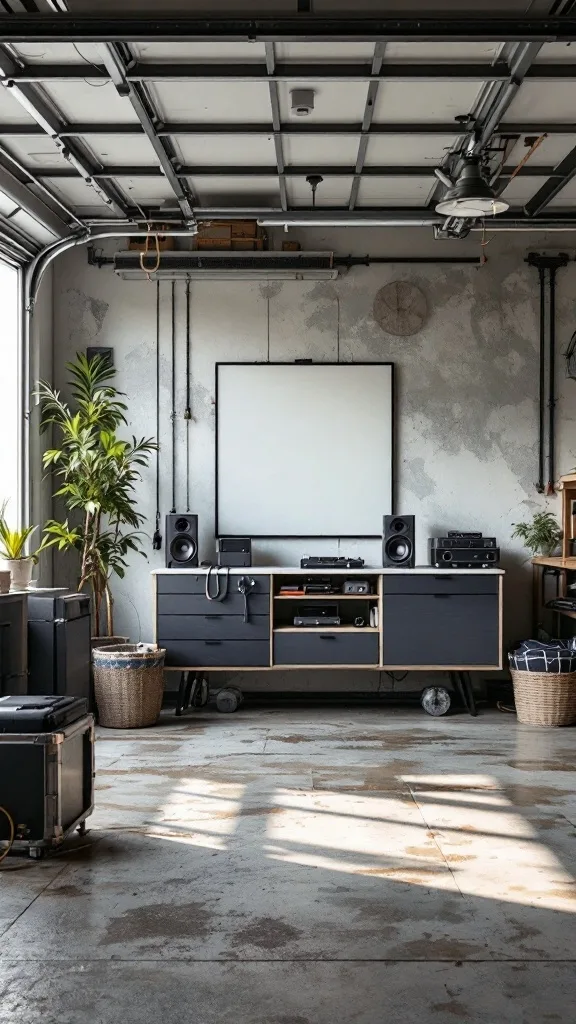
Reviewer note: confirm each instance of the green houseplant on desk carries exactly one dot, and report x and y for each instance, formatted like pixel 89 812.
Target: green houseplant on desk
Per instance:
pixel 541 536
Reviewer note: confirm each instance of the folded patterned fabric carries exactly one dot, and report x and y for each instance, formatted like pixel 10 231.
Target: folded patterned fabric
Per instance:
pixel 537 656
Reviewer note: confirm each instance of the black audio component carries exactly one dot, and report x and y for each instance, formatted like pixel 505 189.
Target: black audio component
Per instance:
pixel 398 550
pixel 181 540
pixel 464 558
pixel 235 552
pixel 319 588
pixel 462 533
pixel 330 562
pixel 461 540
pixel 356 587
pixel 318 615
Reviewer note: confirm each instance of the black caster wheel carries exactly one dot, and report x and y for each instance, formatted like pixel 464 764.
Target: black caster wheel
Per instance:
pixel 36 852
pixel 229 699
pixel 200 693
pixel 82 830
pixel 436 701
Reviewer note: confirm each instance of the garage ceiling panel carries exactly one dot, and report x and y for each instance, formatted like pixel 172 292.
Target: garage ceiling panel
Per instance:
pixel 213 101
pixel 551 101
pixel 146 191
pixel 199 52
pixel 444 52
pixel 394 191
pixel 78 193
pixel 225 190
pixel 234 150
pixel 333 101
pixel 36 151
pixel 58 53
pixel 303 150
pixel 520 190
pixel 328 52
pixel 549 153
pixel 567 197
pixel 10 110
pixel 122 149
pixel 408 149
pixel 331 192
pixel 428 101
pixel 87 101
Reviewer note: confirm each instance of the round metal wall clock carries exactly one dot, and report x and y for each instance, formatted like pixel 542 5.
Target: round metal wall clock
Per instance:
pixel 400 308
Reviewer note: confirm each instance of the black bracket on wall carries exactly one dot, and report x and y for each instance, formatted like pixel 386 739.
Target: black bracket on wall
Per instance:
pixel 547 267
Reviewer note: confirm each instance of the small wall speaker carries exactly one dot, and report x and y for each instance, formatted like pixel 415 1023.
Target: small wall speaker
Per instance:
pixel 181 540
pixel 398 549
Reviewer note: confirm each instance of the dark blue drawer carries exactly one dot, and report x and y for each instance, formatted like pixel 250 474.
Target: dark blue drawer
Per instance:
pixel 213 627
pixel 196 604
pixel 216 653
pixel 326 648
pixel 444 630
pixel 440 583
pixel 195 583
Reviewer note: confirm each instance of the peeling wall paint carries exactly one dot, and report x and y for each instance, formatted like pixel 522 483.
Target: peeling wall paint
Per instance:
pixel 466 392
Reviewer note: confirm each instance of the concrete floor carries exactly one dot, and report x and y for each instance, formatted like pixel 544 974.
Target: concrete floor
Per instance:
pixel 307 866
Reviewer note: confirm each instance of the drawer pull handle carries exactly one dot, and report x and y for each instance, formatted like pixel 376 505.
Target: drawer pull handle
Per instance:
pixel 212 616
pixel 443 577
pixel 212 643
pixel 327 636
pixel 442 595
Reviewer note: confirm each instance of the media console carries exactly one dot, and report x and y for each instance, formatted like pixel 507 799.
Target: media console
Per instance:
pixel 428 619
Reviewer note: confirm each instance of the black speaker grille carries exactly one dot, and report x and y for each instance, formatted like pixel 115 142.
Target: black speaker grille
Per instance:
pixel 398 549
pixel 182 548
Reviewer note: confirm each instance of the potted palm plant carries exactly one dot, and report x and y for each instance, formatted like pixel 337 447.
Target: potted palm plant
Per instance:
pixel 97 472
pixel 13 550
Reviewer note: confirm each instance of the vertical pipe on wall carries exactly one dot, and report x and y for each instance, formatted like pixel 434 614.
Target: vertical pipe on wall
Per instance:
pixel 542 380
pixel 157 538
pixel 550 489
pixel 173 393
pixel 188 409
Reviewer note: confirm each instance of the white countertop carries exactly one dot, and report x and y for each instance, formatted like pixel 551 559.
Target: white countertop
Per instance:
pixel 367 570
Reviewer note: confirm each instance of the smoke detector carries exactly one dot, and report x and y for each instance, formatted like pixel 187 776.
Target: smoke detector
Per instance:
pixel 302 102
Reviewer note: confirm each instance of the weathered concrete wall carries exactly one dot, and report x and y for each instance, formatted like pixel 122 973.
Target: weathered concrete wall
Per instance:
pixel 466 398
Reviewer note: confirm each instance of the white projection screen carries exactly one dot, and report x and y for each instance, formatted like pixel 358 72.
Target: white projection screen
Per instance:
pixel 303 450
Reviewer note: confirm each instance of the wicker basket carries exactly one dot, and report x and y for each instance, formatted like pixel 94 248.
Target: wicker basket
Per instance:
pixel 129 684
pixel 545 698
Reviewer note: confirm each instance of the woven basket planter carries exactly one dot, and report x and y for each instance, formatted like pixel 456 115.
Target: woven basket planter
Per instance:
pixel 128 684
pixel 545 698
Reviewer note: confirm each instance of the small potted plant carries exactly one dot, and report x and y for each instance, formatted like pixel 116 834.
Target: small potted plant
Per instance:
pixel 13 545
pixel 541 536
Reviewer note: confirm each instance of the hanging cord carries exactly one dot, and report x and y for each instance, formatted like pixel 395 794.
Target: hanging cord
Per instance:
pixel 222 581
pixel 12 833
pixel 483 243
pixel 173 386
pixel 157 538
pixel 150 270
pixel 537 142
pixel 188 409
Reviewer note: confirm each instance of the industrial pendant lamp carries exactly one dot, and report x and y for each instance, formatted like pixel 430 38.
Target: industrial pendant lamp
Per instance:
pixel 471 196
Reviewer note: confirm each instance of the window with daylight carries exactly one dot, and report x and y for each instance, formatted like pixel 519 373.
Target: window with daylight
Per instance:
pixel 10 404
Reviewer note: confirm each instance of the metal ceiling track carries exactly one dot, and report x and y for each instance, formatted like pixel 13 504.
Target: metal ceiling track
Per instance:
pixel 96 28
pixel 500 71
pixel 166 128
pixel 288 170
pixel 116 59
